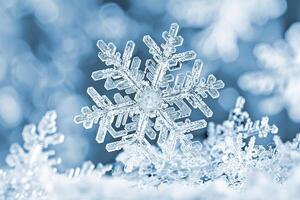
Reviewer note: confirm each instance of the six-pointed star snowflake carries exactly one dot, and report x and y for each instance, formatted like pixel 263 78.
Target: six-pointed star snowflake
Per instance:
pixel 162 96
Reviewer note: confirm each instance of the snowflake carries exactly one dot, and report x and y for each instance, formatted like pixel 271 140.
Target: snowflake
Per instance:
pixel 224 22
pixel 32 172
pixel 280 77
pixel 235 156
pixel 30 165
pixel 232 147
pixel 155 98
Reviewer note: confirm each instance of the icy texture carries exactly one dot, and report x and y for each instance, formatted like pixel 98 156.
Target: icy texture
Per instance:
pixel 229 153
pixel 30 164
pixel 88 169
pixel 228 157
pixel 224 22
pixel 279 78
pixel 162 102
pixel 260 187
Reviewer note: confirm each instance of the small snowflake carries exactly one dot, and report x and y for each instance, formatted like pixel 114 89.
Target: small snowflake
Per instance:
pixel 154 99
pixel 30 166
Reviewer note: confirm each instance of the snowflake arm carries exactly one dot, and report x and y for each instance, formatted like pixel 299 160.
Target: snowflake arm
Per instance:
pixel 193 88
pixel 127 76
pixel 246 126
pixel 166 59
pixel 107 112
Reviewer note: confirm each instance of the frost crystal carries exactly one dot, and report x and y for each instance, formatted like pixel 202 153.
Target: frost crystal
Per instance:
pixel 33 163
pixel 87 169
pixel 161 103
pixel 229 153
pixel 229 156
pixel 280 77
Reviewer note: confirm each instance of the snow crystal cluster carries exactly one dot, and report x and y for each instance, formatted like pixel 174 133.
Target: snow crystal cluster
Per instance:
pixel 229 153
pixel 228 159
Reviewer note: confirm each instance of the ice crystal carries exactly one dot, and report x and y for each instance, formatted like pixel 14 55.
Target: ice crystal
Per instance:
pixel 87 169
pixel 279 78
pixel 32 172
pixel 156 97
pixel 30 164
pixel 229 153
pixel 224 22
pixel 229 156
pixel 231 145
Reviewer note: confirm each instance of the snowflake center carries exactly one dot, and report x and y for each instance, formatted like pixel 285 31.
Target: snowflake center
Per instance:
pixel 149 100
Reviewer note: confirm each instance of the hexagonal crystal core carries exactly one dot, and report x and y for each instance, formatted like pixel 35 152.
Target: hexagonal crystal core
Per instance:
pixel 149 100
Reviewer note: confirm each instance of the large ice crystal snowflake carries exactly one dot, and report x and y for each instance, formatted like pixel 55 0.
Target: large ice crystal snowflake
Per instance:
pixel 156 98
pixel 279 78
pixel 223 22
pixel 30 165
